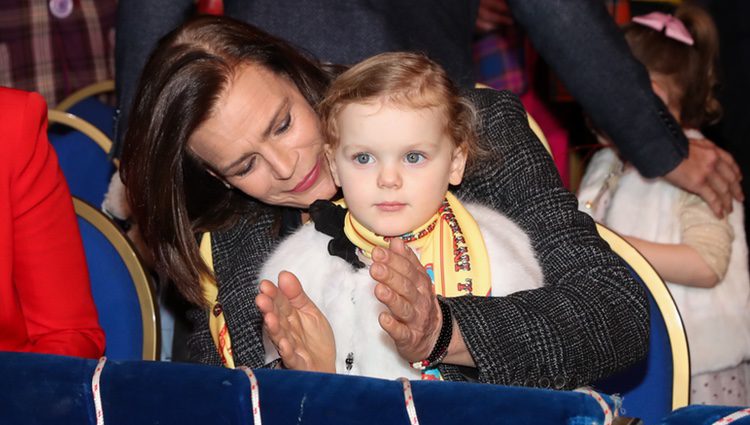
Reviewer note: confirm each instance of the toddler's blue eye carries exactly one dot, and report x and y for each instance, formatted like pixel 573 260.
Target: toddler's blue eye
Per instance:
pixel 362 158
pixel 414 157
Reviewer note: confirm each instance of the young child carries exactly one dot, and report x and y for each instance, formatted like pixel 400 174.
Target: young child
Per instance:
pixel 398 135
pixel 703 258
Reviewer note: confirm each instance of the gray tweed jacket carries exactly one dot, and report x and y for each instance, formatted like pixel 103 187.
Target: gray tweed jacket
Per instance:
pixel 590 320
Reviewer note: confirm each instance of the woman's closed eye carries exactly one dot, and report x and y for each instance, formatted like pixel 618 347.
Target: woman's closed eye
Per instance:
pixel 414 157
pixel 247 167
pixel 284 125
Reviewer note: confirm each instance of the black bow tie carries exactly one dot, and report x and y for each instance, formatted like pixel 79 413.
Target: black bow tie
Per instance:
pixel 329 219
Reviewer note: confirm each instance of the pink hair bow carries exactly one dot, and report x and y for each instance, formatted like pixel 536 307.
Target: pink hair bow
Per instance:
pixel 672 27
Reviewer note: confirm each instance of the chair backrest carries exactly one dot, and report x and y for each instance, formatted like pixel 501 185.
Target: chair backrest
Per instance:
pixel 120 287
pixel 82 151
pixel 85 104
pixel 660 383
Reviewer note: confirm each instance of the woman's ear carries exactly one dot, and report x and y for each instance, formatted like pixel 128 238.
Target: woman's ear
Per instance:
pixel 458 165
pixel 332 163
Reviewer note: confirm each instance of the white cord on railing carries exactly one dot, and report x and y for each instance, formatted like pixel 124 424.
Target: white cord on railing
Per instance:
pixel 411 410
pixel 733 417
pixel 254 394
pixel 96 390
pixel 608 414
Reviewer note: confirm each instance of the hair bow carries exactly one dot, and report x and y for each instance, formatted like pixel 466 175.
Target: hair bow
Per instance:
pixel 672 27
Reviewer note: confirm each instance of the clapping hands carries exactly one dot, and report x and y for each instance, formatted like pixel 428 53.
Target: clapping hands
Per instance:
pixel 298 329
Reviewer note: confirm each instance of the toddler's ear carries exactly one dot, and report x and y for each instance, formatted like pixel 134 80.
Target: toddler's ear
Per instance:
pixel 458 165
pixel 332 163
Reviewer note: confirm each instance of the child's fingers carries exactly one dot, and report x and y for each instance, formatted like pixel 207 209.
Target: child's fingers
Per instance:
pixel 290 357
pixel 267 287
pixel 272 324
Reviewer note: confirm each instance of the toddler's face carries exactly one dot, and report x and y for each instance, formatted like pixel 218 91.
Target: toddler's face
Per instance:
pixel 394 165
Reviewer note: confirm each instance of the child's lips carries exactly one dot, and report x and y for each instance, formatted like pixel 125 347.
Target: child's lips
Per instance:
pixel 390 206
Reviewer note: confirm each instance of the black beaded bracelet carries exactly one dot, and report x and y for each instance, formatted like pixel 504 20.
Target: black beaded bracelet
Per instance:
pixel 444 339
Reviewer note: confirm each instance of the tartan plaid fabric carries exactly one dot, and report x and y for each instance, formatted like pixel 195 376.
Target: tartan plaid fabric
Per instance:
pixel 499 60
pixel 56 47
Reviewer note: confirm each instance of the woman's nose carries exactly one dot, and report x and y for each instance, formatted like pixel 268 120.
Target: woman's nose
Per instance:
pixel 282 161
pixel 389 177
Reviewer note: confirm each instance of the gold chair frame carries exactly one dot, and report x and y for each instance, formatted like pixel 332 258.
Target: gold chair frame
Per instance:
pixel 141 281
pixel 70 120
pixel 90 90
pixel 668 309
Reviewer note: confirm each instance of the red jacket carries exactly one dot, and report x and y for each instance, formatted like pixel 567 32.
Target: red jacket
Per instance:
pixel 45 297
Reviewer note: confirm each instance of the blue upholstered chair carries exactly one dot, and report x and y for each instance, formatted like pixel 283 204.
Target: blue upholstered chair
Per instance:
pixel 653 387
pixel 142 392
pixel 120 286
pixel 84 103
pixel 82 152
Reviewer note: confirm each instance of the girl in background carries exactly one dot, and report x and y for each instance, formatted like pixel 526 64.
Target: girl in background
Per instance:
pixel 702 258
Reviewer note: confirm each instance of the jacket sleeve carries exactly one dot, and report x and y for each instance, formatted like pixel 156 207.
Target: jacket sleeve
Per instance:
pixel 591 317
pixel 584 47
pixel 49 266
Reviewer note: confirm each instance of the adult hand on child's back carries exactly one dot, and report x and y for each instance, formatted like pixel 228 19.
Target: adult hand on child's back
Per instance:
pixel 711 173
pixel 295 325
pixel 414 318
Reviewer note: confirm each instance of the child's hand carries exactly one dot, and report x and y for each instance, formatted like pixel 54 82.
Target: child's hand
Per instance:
pixel 298 329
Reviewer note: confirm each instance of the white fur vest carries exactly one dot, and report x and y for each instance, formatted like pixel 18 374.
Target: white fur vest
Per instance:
pixel 346 297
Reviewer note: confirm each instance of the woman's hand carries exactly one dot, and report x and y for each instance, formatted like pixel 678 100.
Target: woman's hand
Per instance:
pixel 298 329
pixel 414 317
pixel 711 173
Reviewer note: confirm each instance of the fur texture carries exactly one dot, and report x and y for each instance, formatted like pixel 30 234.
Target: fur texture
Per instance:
pixel 346 297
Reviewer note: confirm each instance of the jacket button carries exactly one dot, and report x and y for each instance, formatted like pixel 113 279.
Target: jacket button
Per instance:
pixel 559 382
pixel 544 382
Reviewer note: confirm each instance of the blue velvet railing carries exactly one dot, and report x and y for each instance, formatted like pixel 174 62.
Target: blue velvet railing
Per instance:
pixel 46 389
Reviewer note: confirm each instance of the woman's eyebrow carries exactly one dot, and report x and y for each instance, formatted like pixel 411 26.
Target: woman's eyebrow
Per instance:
pixel 283 106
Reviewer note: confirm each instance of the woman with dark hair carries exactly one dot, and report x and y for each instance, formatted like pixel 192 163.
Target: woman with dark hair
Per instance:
pixel 224 138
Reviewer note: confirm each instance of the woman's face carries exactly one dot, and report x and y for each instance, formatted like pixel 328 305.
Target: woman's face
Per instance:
pixel 264 139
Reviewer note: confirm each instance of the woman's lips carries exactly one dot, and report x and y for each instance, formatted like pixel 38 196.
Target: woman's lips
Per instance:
pixel 390 206
pixel 309 180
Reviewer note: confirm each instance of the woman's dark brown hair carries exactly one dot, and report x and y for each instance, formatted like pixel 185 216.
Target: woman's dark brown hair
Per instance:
pixel 173 197
pixel 691 68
